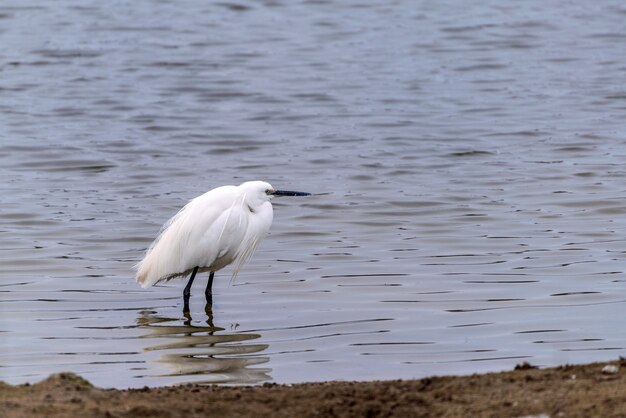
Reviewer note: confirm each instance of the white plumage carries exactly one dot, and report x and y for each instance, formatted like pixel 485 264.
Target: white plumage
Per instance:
pixel 223 226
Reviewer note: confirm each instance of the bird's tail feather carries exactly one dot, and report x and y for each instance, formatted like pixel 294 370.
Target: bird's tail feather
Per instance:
pixel 152 269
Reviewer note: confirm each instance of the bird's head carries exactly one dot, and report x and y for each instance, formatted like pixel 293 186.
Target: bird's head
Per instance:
pixel 258 192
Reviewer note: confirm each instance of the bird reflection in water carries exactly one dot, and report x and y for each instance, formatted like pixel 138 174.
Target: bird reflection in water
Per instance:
pixel 206 354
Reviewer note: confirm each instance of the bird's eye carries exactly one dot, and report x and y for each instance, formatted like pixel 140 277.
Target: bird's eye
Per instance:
pixel 268 191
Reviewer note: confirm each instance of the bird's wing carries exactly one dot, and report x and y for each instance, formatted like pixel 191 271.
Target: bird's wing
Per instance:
pixel 221 240
pixel 183 242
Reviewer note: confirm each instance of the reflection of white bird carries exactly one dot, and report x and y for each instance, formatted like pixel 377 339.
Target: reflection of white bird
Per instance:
pixel 220 227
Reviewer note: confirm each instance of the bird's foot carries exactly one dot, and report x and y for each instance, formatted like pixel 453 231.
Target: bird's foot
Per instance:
pixel 208 309
pixel 187 316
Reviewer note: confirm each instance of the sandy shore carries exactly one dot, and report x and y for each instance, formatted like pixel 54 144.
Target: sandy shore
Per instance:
pixel 597 389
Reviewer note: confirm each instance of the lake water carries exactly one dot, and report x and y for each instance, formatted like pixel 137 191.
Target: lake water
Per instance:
pixel 467 161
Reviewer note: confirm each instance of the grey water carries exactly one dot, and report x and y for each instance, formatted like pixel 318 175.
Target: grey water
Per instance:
pixel 467 161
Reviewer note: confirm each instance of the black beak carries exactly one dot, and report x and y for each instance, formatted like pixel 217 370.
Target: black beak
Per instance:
pixel 289 193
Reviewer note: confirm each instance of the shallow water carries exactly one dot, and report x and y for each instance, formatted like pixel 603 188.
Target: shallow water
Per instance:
pixel 467 161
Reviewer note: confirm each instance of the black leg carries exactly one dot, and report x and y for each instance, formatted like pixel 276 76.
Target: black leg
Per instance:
pixel 187 291
pixel 209 290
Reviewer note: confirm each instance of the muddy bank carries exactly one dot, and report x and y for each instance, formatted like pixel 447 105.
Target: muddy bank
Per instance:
pixel 597 389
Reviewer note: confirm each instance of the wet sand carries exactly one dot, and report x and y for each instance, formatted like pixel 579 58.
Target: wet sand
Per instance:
pixel 597 389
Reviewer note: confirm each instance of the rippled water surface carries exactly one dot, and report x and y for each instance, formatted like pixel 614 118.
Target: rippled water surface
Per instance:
pixel 467 161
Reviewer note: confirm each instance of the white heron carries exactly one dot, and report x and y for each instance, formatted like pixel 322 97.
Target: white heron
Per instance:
pixel 223 226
